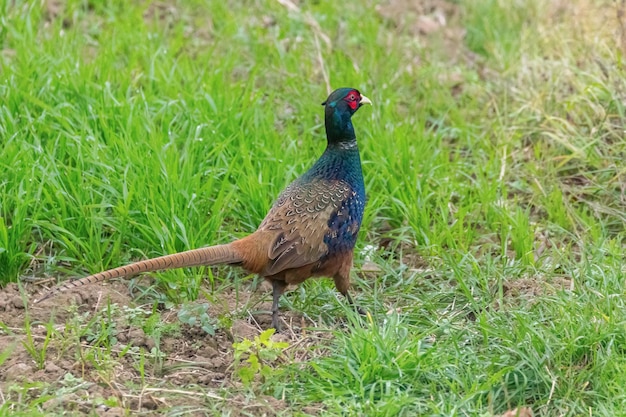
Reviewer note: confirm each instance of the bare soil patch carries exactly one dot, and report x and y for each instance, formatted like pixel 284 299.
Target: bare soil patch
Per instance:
pixel 195 368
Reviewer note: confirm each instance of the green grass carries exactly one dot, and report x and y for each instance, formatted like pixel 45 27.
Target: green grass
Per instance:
pixel 134 129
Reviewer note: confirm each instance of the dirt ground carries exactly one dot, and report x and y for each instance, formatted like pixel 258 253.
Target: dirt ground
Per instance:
pixel 192 357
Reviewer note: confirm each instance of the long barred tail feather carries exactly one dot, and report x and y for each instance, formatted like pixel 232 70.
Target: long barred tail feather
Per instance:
pixel 213 255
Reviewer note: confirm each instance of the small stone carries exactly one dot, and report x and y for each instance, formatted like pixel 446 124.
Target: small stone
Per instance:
pixel 427 25
pixel 518 412
pixel 369 266
pixel 18 372
pixel 210 352
pixel 136 337
pixel 111 412
pixel 280 337
pixel 149 343
pixel 17 302
pixel 52 368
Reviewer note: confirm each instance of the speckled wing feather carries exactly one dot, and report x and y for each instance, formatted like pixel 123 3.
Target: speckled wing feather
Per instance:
pixel 306 220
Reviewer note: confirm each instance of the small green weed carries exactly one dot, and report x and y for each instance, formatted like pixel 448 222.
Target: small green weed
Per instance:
pixel 196 315
pixel 102 328
pixel 36 350
pixel 257 357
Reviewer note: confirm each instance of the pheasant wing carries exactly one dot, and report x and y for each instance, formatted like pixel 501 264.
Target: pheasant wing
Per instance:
pixel 309 221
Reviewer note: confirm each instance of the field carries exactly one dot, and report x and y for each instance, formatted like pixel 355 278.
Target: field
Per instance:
pixel 490 261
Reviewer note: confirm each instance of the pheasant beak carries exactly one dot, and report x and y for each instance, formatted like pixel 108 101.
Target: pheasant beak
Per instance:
pixel 364 100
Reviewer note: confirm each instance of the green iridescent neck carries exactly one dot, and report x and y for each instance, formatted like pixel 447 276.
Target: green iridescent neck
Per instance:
pixel 339 127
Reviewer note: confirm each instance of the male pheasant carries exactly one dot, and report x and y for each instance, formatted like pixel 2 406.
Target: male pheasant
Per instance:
pixel 309 232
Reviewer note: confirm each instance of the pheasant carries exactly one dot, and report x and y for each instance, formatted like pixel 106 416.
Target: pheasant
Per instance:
pixel 310 231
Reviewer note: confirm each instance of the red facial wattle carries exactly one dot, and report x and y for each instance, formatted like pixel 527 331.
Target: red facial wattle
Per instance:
pixel 353 100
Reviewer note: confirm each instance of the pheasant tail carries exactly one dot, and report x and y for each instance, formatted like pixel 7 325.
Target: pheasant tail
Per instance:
pixel 213 255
